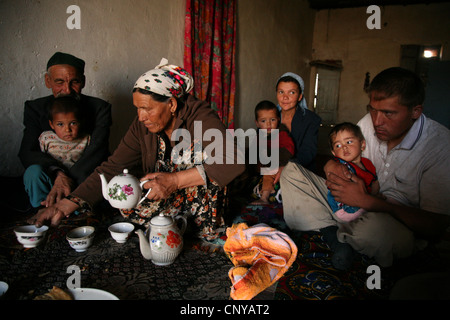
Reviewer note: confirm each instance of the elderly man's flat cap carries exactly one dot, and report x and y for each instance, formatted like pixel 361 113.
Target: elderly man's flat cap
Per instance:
pixel 65 58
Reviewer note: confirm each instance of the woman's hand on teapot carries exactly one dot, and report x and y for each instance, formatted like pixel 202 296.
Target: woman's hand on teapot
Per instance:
pixel 163 184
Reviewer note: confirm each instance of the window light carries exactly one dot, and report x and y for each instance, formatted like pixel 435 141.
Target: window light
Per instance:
pixel 430 53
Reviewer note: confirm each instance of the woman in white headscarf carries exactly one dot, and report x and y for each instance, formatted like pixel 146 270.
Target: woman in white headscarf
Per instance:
pixel 303 126
pixel 192 187
pixel 302 123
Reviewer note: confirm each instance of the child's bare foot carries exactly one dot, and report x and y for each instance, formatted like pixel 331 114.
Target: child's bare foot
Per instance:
pixel 264 198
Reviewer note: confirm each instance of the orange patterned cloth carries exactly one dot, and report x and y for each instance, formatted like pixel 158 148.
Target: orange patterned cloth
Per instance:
pixel 260 254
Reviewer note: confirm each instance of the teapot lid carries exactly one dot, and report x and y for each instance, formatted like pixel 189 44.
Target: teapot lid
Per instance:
pixel 161 220
pixel 126 174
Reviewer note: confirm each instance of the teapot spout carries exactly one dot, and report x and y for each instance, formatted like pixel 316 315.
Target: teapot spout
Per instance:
pixel 104 186
pixel 144 245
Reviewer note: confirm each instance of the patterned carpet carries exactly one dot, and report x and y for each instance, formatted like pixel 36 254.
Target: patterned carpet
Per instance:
pixel 199 273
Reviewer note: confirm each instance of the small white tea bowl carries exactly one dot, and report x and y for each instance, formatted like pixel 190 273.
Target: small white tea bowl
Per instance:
pixel 81 238
pixel 30 236
pixel 121 231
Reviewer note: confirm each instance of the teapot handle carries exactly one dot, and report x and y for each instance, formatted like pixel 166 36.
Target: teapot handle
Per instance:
pixel 142 186
pixel 143 182
pixel 184 224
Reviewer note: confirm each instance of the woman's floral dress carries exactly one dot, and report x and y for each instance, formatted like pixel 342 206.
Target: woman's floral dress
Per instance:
pixel 205 205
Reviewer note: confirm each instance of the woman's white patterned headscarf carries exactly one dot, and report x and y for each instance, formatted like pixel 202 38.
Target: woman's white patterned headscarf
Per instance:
pixel 166 80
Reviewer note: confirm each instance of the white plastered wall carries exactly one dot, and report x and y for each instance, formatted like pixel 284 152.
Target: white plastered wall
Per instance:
pixel 119 40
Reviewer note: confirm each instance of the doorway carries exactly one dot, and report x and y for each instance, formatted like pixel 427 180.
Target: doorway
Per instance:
pixel 326 79
pixel 326 94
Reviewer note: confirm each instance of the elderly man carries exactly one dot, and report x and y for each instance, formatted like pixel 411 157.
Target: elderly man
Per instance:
pixel 411 156
pixel 65 77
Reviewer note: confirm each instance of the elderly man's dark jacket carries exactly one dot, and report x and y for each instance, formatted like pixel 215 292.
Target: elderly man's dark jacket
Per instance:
pixel 98 122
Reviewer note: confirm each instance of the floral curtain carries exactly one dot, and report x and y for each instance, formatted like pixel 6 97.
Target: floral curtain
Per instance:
pixel 209 53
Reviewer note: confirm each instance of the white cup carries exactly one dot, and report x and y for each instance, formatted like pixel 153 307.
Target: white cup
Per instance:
pixel 121 231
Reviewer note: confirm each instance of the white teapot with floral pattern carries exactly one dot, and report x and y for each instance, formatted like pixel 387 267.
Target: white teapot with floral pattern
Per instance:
pixel 124 191
pixel 164 240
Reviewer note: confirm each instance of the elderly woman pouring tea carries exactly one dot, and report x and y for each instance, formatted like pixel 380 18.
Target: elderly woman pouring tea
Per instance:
pixel 192 187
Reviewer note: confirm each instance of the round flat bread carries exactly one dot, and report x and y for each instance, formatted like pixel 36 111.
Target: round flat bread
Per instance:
pixel 55 294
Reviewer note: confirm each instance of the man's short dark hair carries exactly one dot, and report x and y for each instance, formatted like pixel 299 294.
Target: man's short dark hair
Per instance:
pixel 399 82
